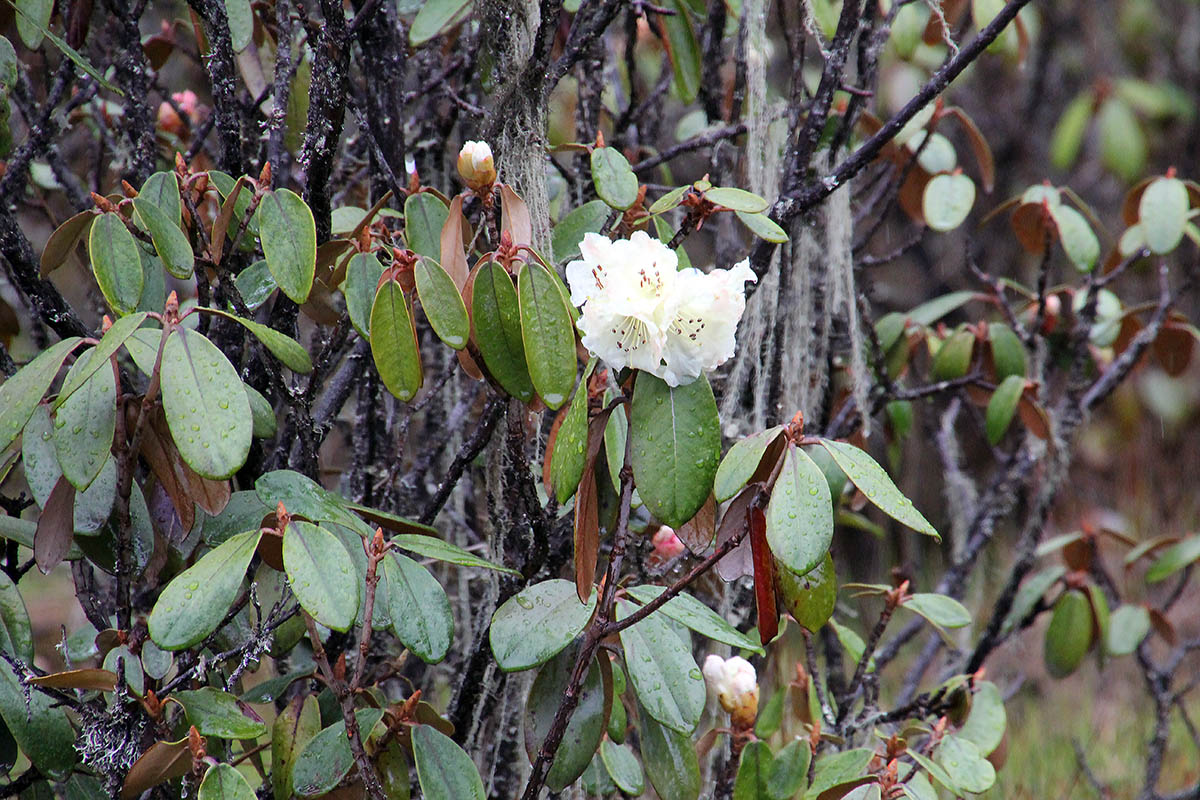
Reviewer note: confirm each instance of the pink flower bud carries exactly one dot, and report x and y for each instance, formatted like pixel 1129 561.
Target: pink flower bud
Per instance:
pixel 666 543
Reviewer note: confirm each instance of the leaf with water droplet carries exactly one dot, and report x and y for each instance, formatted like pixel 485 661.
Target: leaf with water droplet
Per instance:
pixel 533 626
pixel 873 481
pixel 799 523
pixel 661 669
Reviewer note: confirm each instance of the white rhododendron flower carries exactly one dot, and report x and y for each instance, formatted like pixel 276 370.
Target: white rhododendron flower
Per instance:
pixel 640 311
pixel 735 684
pixel 476 165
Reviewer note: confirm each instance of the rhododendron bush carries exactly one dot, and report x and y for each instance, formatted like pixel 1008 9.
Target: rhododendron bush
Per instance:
pixel 495 400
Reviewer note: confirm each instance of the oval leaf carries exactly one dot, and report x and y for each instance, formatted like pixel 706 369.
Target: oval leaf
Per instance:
pixel 424 216
pixel 741 462
pixel 570 230
pixel 676 445
pixel 496 323
pixel 800 513
pixel 585 728
pixel 196 601
pixel 1002 406
pixel 223 782
pixel 320 572
pixel 536 624
pixel 442 303
pixel 444 771
pixel 668 683
pixel 615 182
pixel 394 342
pixel 170 242
pixel 547 335
pixel 419 609
pixel 117 263
pixel 206 408
pixel 217 713
pixel 288 234
pixel 86 422
pixel 1163 214
pixel 362 279
pixel 947 201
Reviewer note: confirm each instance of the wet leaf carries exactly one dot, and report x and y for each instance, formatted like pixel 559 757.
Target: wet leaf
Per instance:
pixel 496 321
pixel 86 421
pixel 623 767
pixel 418 607
pixel 810 597
pixel 670 761
pixel 327 758
pixel 547 334
pixel 435 18
pixel 569 232
pixel 170 242
pixel 800 514
pixel 584 730
pixel 615 182
pixel 16 636
pixel 362 279
pixel 116 262
pixel 533 626
pixel 424 216
pixel 676 446
pixel 687 610
pixel 294 728
pixel 319 571
pixel 872 481
pixel 664 675
pixel 947 201
pixel 196 601
pixel 206 408
pixel 223 782
pixel 442 304
pixel 741 462
pixel 444 771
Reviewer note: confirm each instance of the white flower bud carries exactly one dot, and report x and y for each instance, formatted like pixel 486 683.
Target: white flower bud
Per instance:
pixel 735 684
pixel 476 166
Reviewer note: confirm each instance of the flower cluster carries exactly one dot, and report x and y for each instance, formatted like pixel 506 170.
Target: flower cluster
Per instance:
pixel 735 684
pixel 640 310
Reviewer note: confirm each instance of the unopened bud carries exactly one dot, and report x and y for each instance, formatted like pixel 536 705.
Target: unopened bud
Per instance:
pixel 666 543
pixel 736 686
pixel 476 166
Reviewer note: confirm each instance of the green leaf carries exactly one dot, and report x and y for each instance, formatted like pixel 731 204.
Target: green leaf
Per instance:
pixel 294 728
pixel 1008 353
pixel 623 766
pixel 670 761
pixel 304 497
pixel 40 728
pixel 223 782
pixel 86 423
pixel 116 262
pixel 947 201
pixel 1127 627
pixel 444 771
pixel 116 336
pixel 1067 138
pixel 800 513
pixel 872 481
pixel 327 758
pixel 32 19
pixel 496 317
pixel 1031 591
pixel 261 414
pixel 1069 634
pixel 1163 213
pixel 940 610
pixel 684 51
pixel 217 713
pixel 1002 406
pixel 16 637
pixel 986 723
pixel 21 393
pixel 442 303
pixel 937 773
pixel 419 609
pixel 763 227
pixel 424 216
pixel 362 278
pixel 394 342
pixel 668 683
pixel 432 547
pixel 737 199
pixel 256 283
pixel 741 462
pixel 289 352
pixel 547 334
pixel 689 611
pixel 836 769
pixel 615 432
pixel 241 23
pixel 933 310
pixel 319 571
pixel 170 242
pixel 1123 145
pixel 851 642
pixel 810 597
pixel 1078 241
pixel 567 460
pixel 196 601
pixel 789 772
pixel 288 234
pixel 537 623
pixel 437 17
pixel 962 761
pixel 569 232
pixel 161 190
pixel 670 200
pixel 205 406
pixel 614 179
pixel 676 446
pixel 754 771
pixel 918 787
pixel 953 357
pixel 1174 558
pixel 585 728
pixel 225 183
